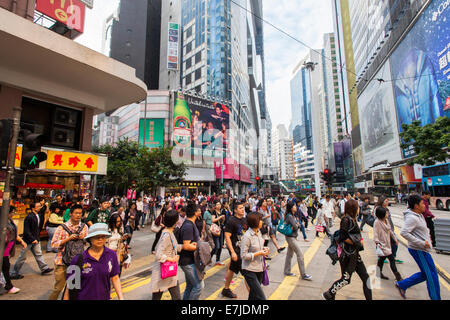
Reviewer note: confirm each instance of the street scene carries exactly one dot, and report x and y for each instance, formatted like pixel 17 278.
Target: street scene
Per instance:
pixel 233 150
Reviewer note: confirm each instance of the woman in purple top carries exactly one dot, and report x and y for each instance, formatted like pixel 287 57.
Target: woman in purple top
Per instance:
pixel 99 268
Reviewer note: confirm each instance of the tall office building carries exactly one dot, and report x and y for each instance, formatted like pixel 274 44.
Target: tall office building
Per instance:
pixel 303 166
pixel 283 153
pixel 135 38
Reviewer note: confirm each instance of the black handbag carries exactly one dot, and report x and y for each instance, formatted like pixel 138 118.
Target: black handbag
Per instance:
pixel 264 229
pixel 370 220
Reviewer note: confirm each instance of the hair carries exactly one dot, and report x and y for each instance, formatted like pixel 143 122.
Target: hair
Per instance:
pixel 380 201
pixel 76 206
pixel 289 207
pixel 351 208
pixel 260 202
pixel 380 212
pixel 191 209
pixel 112 221
pixel 320 205
pixel 253 220
pixel 413 200
pixel 170 218
pixel 11 209
pixel 426 193
pixel 327 196
pixel 237 203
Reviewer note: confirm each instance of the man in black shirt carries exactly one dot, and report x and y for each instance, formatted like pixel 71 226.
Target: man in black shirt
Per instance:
pixel 189 237
pixel 234 231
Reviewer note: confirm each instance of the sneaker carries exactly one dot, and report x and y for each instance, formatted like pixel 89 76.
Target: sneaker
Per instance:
pixel 220 263
pixel 281 249
pixel 400 290
pixel 306 240
pixel 307 277
pixel 328 296
pixel 228 293
pixel 14 290
pixel 47 271
pixel 290 274
pixel 17 277
pixel 398 261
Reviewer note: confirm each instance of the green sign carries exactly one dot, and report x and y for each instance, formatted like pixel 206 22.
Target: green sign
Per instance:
pixel 154 132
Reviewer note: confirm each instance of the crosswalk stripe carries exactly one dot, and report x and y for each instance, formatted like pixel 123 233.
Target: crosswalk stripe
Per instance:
pixel 288 285
pixel 215 295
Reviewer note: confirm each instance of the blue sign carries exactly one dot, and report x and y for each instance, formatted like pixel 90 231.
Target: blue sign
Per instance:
pixel 421 69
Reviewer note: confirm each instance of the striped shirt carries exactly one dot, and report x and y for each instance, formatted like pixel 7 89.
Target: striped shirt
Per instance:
pixel 61 234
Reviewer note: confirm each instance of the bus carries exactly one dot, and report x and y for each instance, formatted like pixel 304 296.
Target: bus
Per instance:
pixel 376 184
pixel 436 179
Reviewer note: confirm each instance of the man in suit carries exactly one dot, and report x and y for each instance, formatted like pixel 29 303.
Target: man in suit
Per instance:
pixel 31 233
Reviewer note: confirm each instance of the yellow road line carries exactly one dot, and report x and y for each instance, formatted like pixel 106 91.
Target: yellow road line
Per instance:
pixel 288 285
pixel 215 295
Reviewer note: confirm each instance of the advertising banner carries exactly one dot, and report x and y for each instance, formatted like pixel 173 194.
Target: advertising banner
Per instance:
pixel 421 69
pixel 172 48
pixel 200 129
pixel 69 12
pixel 339 161
pixel 378 120
pixel 154 132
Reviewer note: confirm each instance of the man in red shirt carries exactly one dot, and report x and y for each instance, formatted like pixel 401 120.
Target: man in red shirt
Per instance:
pixel 429 216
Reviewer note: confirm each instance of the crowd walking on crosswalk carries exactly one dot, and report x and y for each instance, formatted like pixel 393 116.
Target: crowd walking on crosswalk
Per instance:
pixel 92 242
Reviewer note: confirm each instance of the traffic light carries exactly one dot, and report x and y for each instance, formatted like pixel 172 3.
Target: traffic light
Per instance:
pixel 327 176
pixel 31 152
pixel 5 138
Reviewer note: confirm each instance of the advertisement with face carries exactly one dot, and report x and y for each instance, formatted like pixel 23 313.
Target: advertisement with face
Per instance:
pixel 421 69
pixel 201 126
pixel 378 120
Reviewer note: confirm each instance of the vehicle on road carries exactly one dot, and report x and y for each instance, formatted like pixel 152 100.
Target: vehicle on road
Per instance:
pixel 436 179
pixel 376 184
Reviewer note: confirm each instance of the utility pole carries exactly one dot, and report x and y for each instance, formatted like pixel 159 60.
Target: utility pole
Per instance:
pixel 9 173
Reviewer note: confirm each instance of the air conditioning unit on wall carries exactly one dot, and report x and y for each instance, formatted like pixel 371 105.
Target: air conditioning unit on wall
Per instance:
pixel 65 117
pixel 64 137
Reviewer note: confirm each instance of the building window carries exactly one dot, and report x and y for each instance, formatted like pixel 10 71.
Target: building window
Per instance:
pixel 189 32
pixel 189 47
pixel 188 63
pixel 198 88
pixel 188 78
pixel 198 74
pixel 198 57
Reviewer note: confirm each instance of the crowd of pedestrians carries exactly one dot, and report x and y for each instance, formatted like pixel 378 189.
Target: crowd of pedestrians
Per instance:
pixel 92 241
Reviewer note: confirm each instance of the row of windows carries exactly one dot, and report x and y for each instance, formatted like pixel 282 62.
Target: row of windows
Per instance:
pixel 197 57
pixel 197 74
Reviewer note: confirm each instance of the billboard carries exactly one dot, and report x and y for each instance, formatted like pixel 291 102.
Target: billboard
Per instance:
pixel 200 128
pixel 154 132
pixel 421 69
pixel 69 12
pixel 378 120
pixel 172 47
pixel 339 161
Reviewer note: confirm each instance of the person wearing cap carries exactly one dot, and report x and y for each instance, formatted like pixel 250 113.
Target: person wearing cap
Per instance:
pixel 100 215
pixel 99 267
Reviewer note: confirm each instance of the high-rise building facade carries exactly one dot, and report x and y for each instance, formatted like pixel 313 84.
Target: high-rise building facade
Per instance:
pixel 283 153
pixel 303 166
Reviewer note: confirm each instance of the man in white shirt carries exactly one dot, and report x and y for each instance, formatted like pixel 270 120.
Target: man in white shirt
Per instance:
pixel 343 201
pixel 328 209
pixel 140 211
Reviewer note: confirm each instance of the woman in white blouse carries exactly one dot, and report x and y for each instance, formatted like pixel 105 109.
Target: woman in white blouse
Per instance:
pixel 117 240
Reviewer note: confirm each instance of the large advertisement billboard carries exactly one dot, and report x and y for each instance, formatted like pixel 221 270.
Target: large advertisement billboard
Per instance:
pixel 378 120
pixel 70 12
pixel 200 129
pixel 421 69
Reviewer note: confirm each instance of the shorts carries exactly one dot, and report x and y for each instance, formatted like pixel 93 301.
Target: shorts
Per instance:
pixel 236 266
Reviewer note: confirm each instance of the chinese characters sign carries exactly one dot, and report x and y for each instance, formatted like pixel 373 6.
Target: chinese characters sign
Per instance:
pixel 69 12
pixel 61 160
pixel 172 48
pixel 154 132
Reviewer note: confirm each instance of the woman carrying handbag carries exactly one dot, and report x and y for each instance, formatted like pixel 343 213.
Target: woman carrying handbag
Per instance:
pixel 253 253
pixel 165 274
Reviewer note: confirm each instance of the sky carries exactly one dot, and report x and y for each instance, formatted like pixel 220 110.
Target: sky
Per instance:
pixel 306 20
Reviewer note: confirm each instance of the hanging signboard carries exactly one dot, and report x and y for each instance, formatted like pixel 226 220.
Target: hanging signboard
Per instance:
pixel 172 48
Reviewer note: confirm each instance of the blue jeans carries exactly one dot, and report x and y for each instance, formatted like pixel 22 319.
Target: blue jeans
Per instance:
pixel 427 273
pixel 193 284
pixel 218 243
pixel 144 215
pixel 302 228
pixel 51 232
pixel 37 253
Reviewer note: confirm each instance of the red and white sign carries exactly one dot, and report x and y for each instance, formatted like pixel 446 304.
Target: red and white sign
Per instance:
pixel 69 12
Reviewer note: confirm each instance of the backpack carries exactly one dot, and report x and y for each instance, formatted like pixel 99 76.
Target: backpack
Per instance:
pixel 73 247
pixel 333 250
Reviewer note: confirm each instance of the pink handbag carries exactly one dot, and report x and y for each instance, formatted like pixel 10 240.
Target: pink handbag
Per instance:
pixel 169 268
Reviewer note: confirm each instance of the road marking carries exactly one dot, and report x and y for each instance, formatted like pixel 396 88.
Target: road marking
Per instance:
pixel 215 295
pixel 288 285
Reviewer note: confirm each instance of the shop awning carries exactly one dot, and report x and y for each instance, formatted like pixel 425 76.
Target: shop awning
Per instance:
pixel 38 60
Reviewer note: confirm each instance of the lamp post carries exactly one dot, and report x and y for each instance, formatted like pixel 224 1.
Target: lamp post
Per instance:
pixel 239 142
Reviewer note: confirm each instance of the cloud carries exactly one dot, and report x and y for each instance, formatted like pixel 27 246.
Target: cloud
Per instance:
pixel 305 20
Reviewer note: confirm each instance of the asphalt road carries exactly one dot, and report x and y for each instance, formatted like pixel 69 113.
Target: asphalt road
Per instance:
pixel 135 281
